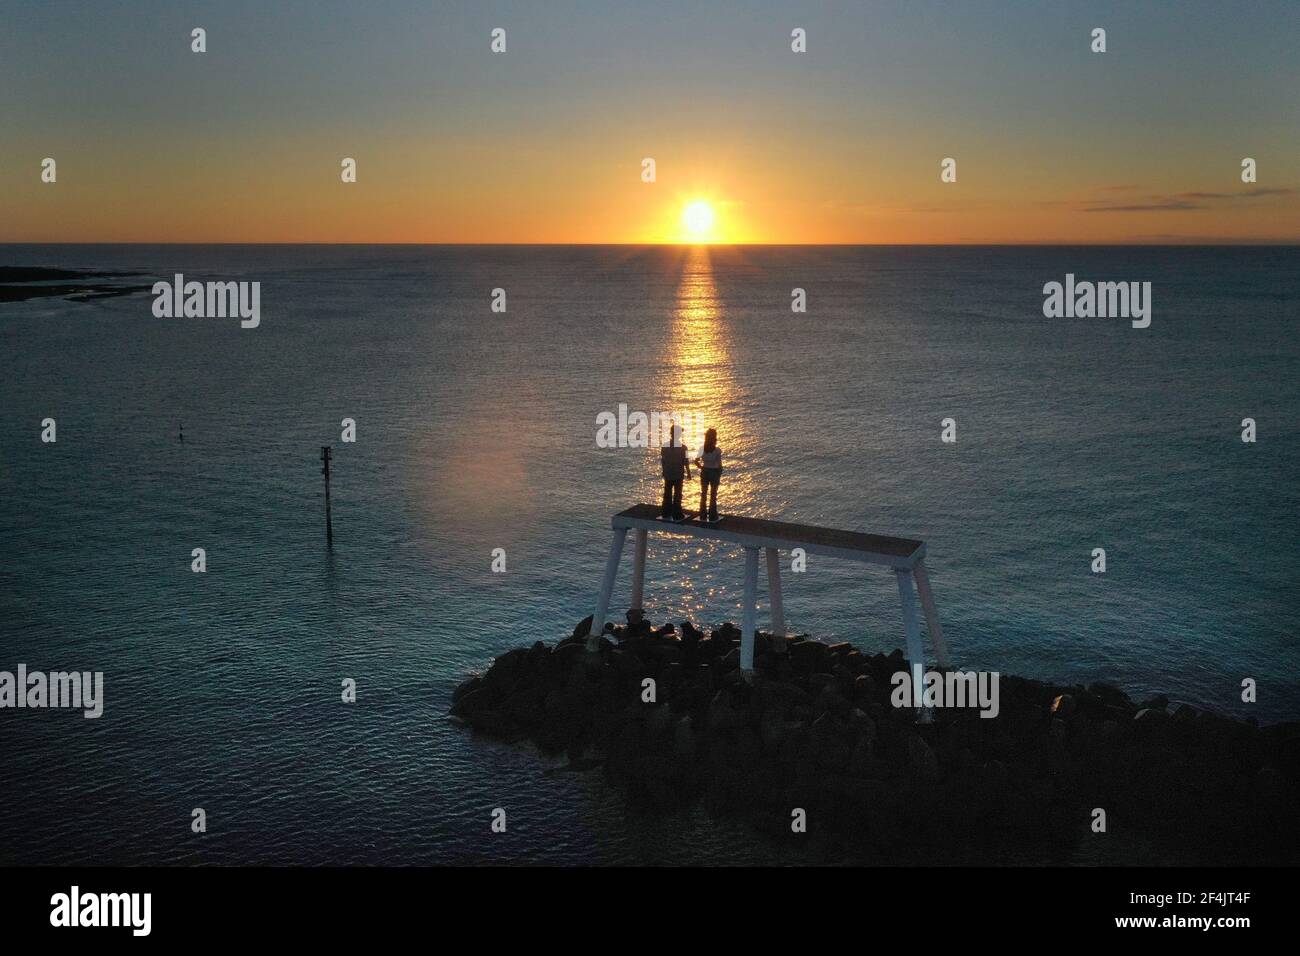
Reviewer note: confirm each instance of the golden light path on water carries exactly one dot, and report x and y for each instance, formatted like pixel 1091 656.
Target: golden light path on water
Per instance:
pixel 700 383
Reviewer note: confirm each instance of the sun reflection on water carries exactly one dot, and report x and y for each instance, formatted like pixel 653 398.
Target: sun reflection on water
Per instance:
pixel 700 383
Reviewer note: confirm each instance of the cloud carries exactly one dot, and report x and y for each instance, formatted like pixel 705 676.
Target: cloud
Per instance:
pixel 1169 205
pixel 1181 202
pixel 1250 194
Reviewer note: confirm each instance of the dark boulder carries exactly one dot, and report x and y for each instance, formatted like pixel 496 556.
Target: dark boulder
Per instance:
pixel 1063 706
pixel 467 686
pixel 807 654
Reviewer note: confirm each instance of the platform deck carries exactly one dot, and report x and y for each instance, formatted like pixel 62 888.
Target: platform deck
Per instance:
pixel 750 532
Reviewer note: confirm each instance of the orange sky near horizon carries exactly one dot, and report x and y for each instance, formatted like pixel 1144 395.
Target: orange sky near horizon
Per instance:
pixel 544 144
pixel 478 195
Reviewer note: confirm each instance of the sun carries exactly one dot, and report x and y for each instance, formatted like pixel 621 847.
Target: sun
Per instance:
pixel 698 219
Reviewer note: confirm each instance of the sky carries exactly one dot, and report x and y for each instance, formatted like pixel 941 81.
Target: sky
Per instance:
pixel 544 143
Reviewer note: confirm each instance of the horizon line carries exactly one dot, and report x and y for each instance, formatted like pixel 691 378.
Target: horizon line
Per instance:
pixel 1202 242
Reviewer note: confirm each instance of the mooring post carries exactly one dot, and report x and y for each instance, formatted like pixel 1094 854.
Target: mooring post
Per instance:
pixel 915 651
pixel 638 570
pixel 774 591
pixel 326 455
pixel 931 612
pixel 750 611
pixel 606 589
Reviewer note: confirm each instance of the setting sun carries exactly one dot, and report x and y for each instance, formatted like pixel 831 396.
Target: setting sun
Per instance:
pixel 698 218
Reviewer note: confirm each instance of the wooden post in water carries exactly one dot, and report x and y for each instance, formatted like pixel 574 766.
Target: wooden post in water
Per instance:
pixel 325 456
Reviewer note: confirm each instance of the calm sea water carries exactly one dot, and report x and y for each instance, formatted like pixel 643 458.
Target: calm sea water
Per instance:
pixel 477 431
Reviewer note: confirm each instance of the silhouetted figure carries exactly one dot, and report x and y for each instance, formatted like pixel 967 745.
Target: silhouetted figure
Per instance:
pixel 675 467
pixel 710 464
pixel 182 431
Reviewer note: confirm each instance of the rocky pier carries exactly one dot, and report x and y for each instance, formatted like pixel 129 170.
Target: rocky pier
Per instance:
pixel 813 729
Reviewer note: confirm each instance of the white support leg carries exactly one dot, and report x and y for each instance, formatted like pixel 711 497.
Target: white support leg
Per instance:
pixel 606 589
pixel 931 612
pixel 751 609
pixel 915 651
pixel 774 591
pixel 638 570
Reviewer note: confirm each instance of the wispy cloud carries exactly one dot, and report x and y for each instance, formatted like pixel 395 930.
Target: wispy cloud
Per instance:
pixel 1181 202
pixel 1164 205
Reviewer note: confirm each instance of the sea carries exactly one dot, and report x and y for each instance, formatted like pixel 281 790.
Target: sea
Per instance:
pixel 471 514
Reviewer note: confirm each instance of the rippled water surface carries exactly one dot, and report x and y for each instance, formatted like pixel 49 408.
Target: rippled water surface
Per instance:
pixel 477 431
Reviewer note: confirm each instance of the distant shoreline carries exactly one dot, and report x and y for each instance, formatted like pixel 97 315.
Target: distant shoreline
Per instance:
pixel 19 284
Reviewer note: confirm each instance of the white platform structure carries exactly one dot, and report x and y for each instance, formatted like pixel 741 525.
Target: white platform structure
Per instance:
pixel 905 557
